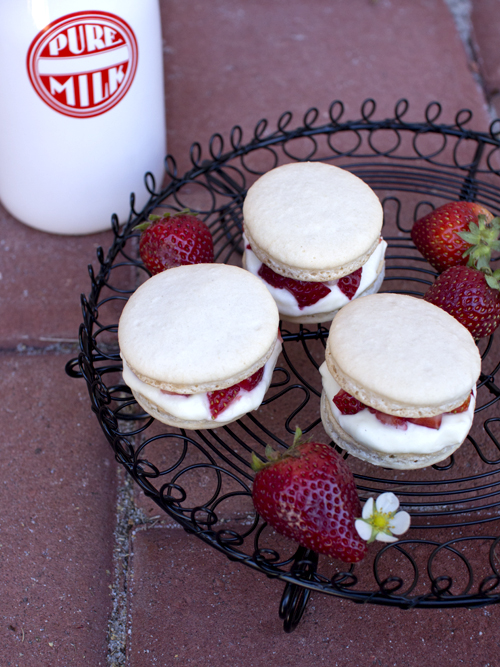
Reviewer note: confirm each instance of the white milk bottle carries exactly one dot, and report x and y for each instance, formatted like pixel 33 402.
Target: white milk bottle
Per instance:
pixel 82 112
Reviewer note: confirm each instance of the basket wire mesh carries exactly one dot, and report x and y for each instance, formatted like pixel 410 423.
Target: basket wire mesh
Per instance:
pixel 203 479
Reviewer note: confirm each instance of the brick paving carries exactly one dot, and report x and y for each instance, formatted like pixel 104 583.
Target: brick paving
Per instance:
pixel 30 315
pixel 200 609
pixel 485 20
pixel 89 574
pixel 57 495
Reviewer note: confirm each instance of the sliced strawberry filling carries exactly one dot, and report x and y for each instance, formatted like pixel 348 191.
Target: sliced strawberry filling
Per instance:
pixel 390 420
pixel 462 408
pixel 219 400
pixel 250 383
pixel 306 293
pixel 429 422
pixel 348 285
pixel 349 405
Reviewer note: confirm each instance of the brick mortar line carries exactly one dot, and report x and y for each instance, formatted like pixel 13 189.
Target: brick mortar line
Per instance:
pixel 128 518
pixel 61 347
pixel 131 519
pixel 461 11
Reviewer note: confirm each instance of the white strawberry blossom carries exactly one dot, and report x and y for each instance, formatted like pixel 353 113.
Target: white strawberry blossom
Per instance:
pixel 380 519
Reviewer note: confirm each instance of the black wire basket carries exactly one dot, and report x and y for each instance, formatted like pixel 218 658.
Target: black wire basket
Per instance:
pixel 203 479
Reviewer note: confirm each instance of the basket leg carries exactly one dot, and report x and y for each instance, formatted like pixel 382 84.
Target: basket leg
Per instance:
pixel 295 597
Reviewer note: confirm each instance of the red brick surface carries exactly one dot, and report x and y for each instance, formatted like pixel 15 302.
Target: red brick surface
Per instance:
pixel 244 61
pixel 486 28
pixel 42 277
pixel 191 606
pixel 57 497
pixel 226 63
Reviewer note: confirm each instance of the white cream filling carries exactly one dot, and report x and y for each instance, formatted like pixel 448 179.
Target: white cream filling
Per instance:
pixel 367 430
pixel 287 303
pixel 196 407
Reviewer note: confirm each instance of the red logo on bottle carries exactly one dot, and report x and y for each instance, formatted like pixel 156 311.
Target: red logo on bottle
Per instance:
pixel 83 64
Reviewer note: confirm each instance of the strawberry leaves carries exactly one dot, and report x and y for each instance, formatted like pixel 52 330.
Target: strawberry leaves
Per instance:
pixel 483 240
pixel 438 235
pixel 458 239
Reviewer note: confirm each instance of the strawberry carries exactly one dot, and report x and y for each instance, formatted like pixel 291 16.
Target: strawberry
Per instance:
pixel 347 404
pixel 174 239
pixel 462 408
pixel 220 399
pixel 308 494
pixel 428 422
pixel 250 383
pixel 349 284
pixel 402 422
pixel 471 296
pixel 306 293
pixel 390 420
pixel 455 231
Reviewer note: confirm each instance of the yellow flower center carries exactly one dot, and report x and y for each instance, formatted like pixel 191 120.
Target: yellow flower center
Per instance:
pixel 380 520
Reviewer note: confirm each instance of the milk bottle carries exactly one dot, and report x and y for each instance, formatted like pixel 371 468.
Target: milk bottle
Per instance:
pixel 82 110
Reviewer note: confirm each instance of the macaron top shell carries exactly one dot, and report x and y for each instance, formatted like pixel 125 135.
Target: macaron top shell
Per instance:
pixel 198 328
pixel 402 355
pixel 313 218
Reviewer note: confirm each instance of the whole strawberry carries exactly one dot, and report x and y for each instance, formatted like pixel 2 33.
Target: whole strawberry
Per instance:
pixel 471 296
pixel 452 233
pixel 308 494
pixel 174 239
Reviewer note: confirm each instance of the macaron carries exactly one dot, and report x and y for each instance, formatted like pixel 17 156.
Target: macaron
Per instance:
pixel 312 233
pixel 399 381
pixel 199 344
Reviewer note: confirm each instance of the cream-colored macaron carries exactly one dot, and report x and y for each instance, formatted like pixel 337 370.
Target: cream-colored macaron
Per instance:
pixel 317 223
pixel 398 356
pixel 194 330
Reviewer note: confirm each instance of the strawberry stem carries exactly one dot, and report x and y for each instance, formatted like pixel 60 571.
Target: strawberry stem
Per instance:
pixel 492 278
pixel 256 463
pixel 168 214
pixel 271 455
pixel 483 238
pixel 142 227
pixel 297 437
